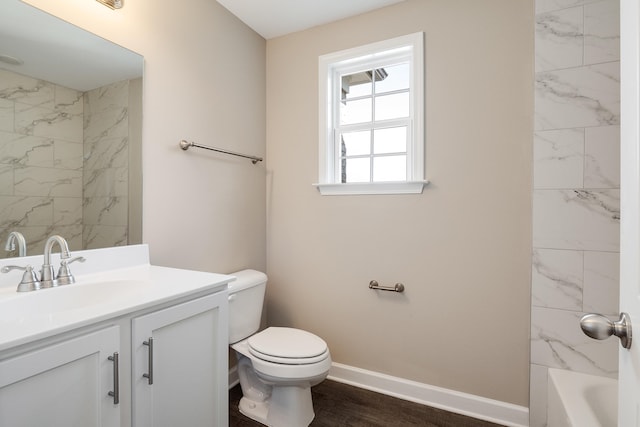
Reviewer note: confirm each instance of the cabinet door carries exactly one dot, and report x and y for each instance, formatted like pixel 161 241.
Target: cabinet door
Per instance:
pixel 180 365
pixel 66 384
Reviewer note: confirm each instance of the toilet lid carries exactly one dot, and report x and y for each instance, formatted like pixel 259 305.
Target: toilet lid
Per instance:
pixel 287 345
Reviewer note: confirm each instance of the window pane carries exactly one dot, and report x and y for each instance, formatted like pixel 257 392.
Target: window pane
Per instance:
pixel 392 106
pixel 390 140
pixel 357 84
pixel 356 143
pixel 355 170
pixel 355 112
pixel 390 168
pixel 397 78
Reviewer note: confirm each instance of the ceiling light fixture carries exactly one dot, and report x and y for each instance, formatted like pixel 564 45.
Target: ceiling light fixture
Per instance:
pixel 113 4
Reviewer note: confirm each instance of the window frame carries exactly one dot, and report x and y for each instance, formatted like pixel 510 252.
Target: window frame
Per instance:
pixel 409 48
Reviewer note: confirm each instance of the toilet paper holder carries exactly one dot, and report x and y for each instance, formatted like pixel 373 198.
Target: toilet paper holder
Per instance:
pixel 398 287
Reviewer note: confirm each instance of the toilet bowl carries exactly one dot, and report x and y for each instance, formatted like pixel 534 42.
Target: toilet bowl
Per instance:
pixel 278 366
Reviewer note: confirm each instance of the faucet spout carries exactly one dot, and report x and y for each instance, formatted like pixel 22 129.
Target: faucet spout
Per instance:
pixel 46 275
pixel 14 237
pixel 48 247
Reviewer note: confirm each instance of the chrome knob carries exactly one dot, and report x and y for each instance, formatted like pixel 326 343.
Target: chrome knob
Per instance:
pixel 599 327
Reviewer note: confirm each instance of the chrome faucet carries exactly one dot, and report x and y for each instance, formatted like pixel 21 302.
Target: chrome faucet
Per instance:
pixel 14 237
pixel 47 278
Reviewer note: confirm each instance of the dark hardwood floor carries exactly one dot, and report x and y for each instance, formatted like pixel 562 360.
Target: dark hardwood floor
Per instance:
pixel 338 405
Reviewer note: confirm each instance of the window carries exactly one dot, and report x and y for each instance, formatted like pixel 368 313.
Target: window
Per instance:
pixel 371 119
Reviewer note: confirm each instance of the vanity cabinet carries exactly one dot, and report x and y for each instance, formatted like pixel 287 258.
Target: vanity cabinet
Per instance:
pixel 172 371
pixel 63 384
pixel 180 369
pixel 58 345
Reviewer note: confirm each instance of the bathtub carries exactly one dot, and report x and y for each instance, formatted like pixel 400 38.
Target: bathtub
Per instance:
pixel 581 400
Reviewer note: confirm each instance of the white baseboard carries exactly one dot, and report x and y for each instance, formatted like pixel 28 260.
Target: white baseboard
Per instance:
pixel 470 405
pixel 453 401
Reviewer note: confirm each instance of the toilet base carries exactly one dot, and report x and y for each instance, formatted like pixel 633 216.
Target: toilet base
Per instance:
pixel 257 411
pixel 288 406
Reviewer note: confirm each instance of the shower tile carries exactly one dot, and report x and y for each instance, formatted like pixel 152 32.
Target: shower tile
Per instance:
pixel 107 98
pixel 67 211
pixel 559 39
pixel 68 100
pixel 601 282
pixel 36 181
pixel 25 211
pixel 26 90
pixel 25 150
pixel 108 124
pixel 602 32
pixel 558 158
pixel 558 342
pixel 557 279
pixel 6 115
pixel 67 155
pixel 602 157
pixel 578 97
pixel 102 236
pixel 576 219
pixel 105 211
pixel 106 153
pixel 6 180
pixel 110 182
pixel 45 122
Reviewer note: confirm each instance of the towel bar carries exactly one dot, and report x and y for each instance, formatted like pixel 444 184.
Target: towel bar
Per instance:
pixel 186 144
pixel 398 287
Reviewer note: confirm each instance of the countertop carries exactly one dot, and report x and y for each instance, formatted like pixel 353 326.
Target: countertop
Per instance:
pixel 111 283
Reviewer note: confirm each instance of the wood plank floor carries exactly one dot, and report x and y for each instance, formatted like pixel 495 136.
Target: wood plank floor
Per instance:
pixel 338 405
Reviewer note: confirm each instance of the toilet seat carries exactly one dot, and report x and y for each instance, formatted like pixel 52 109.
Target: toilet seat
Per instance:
pixel 288 346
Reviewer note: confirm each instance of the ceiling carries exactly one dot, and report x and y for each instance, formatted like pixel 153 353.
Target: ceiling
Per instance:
pixel 56 51
pixel 50 48
pixel 274 18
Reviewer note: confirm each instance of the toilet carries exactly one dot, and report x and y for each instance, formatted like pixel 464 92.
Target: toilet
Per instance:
pixel 278 366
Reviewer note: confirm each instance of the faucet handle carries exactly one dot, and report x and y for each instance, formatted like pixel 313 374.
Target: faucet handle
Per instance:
pixel 29 280
pixel 64 276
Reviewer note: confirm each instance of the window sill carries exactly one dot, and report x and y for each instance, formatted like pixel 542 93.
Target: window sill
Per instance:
pixel 405 187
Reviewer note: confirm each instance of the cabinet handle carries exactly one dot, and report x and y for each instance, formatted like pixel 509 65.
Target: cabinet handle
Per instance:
pixel 149 344
pixel 116 378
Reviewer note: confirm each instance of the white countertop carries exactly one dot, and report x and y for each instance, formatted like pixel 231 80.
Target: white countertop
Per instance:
pixel 112 282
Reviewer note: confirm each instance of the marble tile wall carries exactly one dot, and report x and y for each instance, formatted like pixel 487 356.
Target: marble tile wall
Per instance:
pixel 106 168
pixel 50 182
pixel 576 197
pixel 40 160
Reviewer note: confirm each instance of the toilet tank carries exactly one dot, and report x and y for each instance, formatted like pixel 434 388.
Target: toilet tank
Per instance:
pixel 246 296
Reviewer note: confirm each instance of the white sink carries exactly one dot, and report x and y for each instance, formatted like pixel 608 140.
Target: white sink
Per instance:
pixel 111 283
pixel 45 304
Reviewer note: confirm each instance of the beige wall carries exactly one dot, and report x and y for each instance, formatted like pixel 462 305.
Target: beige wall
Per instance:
pixel 462 248
pixel 204 81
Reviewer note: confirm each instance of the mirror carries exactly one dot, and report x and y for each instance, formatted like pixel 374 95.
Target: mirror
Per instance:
pixel 70 134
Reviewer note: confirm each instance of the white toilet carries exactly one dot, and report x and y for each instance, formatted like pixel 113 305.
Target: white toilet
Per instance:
pixel 278 366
